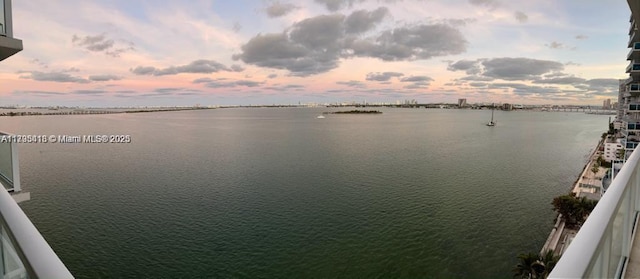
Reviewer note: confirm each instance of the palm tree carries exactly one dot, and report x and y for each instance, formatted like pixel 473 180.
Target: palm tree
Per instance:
pixel 549 261
pixel 529 266
pixel 533 265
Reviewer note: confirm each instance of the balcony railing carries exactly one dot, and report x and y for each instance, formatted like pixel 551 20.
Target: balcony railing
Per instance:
pixel 633 68
pixel 602 247
pixel 9 165
pixel 634 51
pixel 24 253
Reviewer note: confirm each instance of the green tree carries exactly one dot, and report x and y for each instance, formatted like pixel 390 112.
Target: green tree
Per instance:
pixel 574 210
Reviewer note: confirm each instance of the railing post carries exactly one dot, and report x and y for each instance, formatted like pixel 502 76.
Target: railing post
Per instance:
pixel 15 164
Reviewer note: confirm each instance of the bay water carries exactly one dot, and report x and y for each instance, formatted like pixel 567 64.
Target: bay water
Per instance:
pixel 279 193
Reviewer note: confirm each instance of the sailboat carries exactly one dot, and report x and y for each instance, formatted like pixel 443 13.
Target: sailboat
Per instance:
pixel 492 123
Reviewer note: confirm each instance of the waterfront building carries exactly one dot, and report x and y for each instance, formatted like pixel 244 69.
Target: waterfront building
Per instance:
pixel 629 95
pixel 612 148
pixel 606 104
pixel 8 44
pixel 462 103
pixel 608 245
pixel 25 253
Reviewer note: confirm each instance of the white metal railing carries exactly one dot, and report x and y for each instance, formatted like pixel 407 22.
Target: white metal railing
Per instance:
pixel 25 253
pixel 602 246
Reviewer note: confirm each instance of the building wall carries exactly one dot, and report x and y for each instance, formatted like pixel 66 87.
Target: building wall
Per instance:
pixel 611 150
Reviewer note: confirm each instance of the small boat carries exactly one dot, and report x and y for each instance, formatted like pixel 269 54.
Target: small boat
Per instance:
pixel 320 116
pixel 491 123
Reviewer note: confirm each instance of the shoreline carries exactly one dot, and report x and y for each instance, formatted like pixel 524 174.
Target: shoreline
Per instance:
pixel 73 111
pixel 560 237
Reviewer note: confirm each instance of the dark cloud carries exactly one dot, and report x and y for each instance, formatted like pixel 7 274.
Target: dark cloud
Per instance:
pixel 460 22
pixel 316 45
pixel 93 43
pixel 167 90
pixel 581 37
pixel 201 66
pixel 202 80
pixel 385 76
pixel 521 17
pixel 334 5
pixel 54 76
pixel 272 76
pixel 248 83
pixel 104 77
pixel 361 21
pixel 603 85
pixel 469 66
pixel 277 9
pixel 416 79
pixel 140 70
pixel 222 83
pixel 288 87
pixel 37 92
pixel 507 68
pixel 417 85
pixel 100 43
pixel 555 45
pixel 237 68
pixel 412 43
pixel 89 92
pixel 352 83
pixel 38 62
pixel 561 80
pixel 312 47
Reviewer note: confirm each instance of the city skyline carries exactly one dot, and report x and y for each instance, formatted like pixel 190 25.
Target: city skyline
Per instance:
pixel 139 53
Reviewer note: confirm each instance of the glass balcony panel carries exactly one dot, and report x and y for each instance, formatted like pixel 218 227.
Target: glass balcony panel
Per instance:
pixel 617 237
pixel 6 164
pixel 634 87
pixel 635 67
pixel 12 266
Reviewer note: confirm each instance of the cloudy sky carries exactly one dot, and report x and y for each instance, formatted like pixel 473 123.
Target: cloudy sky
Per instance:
pixel 214 52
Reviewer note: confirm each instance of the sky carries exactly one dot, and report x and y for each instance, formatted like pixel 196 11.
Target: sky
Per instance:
pixel 165 53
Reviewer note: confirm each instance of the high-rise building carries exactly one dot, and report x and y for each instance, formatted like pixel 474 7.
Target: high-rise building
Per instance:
pixel 606 104
pixel 462 103
pixel 629 96
pixel 8 44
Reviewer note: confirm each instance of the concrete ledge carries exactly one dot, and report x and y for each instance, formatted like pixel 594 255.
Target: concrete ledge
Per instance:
pixel 9 46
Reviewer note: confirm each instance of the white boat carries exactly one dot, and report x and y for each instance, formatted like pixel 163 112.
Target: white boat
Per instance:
pixel 320 116
pixel 491 123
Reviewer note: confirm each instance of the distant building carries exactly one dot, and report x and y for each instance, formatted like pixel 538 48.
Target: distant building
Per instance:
pixel 462 103
pixel 606 104
pixel 507 106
